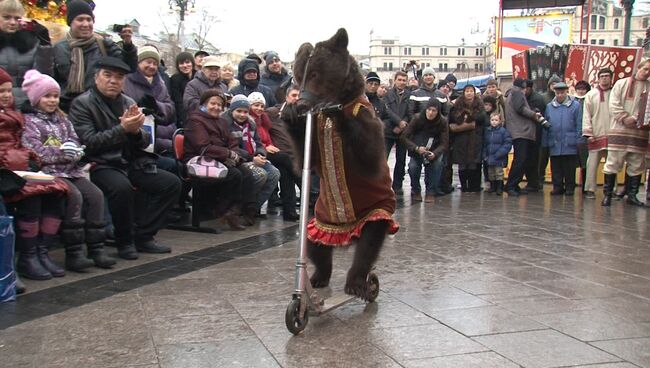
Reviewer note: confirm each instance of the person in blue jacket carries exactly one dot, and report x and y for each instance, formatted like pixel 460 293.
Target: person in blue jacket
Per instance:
pixel 497 143
pixel 565 116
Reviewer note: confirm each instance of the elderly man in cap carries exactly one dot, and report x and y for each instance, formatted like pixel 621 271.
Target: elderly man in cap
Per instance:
pixel 248 73
pixel 76 54
pixel 209 77
pixel 110 124
pixel 274 74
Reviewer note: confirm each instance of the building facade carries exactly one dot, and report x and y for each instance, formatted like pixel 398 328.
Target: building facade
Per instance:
pixel 606 25
pixel 388 55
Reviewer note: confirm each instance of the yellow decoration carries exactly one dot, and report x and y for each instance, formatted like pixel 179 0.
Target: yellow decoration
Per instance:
pixel 51 14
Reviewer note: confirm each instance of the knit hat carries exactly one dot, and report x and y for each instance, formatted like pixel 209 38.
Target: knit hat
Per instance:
pixel 372 76
pixel 270 56
pixel 442 83
pixel 554 79
pixel 76 8
pixel 201 52
pixel 4 77
pixel 519 82
pixel 433 102
pixel 239 102
pixel 148 52
pixel 256 97
pixel 254 57
pixel 428 70
pixel 37 85
pixel 451 78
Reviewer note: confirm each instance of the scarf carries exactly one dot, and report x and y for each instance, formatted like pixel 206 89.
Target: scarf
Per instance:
pixel 77 62
pixel 263 123
pixel 602 92
pixel 247 136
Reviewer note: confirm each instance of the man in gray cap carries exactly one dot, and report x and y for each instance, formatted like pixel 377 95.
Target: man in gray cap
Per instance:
pixel 110 125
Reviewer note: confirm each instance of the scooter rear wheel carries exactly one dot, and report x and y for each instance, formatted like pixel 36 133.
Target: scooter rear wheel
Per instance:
pixel 373 287
pixel 295 324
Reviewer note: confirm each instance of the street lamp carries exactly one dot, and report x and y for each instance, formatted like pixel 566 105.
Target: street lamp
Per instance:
pixel 181 6
pixel 627 5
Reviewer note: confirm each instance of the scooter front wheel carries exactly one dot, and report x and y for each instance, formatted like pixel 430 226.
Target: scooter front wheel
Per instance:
pixel 295 323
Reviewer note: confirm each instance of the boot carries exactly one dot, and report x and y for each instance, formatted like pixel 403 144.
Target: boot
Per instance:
pixel 73 238
pixel 289 214
pixel 463 177
pixel 621 193
pixel 633 190
pixel 20 287
pixel 493 187
pixel 608 187
pixel 499 187
pixel 28 264
pixel 249 213
pixel 42 250
pixel 95 238
pixel 231 217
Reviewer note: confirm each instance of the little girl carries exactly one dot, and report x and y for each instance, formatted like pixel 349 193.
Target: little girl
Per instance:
pixel 497 144
pixel 49 133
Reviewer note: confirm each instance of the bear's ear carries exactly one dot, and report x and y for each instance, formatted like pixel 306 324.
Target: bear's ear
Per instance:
pixel 340 40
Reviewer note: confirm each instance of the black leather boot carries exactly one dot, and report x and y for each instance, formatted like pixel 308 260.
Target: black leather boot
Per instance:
pixel 20 287
pixel 499 186
pixel 95 238
pixel 44 256
pixel 608 187
pixel 28 265
pixel 73 238
pixel 623 192
pixel 633 190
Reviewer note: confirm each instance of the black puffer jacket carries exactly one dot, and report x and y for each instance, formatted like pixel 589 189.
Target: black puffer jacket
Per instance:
pixel 247 87
pixel 98 127
pixel 419 131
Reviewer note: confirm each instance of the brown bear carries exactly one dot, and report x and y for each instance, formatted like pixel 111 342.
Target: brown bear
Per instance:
pixel 356 199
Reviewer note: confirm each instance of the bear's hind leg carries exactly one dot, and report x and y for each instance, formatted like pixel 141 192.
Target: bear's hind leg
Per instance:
pixel 368 248
pixel 321 257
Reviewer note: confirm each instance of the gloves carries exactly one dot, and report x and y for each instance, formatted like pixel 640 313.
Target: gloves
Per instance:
pixel 148 102
pixel 72 151
pixel 41 33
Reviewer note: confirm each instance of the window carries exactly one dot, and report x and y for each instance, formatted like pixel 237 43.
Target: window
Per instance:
pixel 443 51
pixel 601 22
pixel 446 68
pixel 479 52
pixel 440 67
pixel 388 50
pixel 480 67
pixel 476 67
pixel 425 51
pixel 585 19
pixel 594 21
pixel 593 42
pixel 615 42
pixel 616 23
pixel 601 42
pixel 407 51
pixel 390 66
pixel 645 22
pixel 385 66
pixel 461 51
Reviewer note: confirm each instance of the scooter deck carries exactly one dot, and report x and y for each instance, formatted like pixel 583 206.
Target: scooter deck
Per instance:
pixel 336 300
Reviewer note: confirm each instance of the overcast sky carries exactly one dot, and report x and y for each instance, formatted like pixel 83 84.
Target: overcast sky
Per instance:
pixel 283 25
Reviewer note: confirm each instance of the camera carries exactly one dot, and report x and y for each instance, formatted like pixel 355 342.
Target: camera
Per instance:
pixel 412 62
pixel 544 123
pixel 425 158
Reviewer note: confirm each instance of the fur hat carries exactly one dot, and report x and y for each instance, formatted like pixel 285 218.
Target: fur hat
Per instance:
pixel 37 85
pixel 148 52
pixel 4 77
pixel 519 82
pixel 428 70
pixel 239 102
pixel 256 97
pixel 76 8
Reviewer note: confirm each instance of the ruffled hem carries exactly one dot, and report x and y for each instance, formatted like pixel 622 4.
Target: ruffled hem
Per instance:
pixel 344 235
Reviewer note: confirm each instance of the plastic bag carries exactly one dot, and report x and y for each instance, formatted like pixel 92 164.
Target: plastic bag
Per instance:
pixel 7 274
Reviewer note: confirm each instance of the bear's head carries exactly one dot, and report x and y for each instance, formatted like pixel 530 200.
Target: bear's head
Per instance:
pixel 332 75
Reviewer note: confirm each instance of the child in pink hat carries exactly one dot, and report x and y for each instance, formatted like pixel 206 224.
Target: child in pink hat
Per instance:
pixel 49 133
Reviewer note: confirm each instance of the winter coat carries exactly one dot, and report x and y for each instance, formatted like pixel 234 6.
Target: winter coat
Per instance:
pixel 92 53
pixel 177 85
pixel 467 145
pixel 237 130
pixel 247 87
pixel 497 144
pixel 44 134
pixel 274 80
pixel 566 127
pixel 418 99
pixel 196 87
pixel 397 108
pixel 209 136
pixel 381 110
pixel 98 127
pixel 521 120
pixel 20 52
pixel 137 87
pixel 420 129
pixel 14 156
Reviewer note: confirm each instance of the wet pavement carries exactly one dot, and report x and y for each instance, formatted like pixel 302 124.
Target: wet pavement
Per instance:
pixel 472 280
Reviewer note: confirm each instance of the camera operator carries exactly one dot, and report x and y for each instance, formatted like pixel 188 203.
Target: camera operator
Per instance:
pixel 522 125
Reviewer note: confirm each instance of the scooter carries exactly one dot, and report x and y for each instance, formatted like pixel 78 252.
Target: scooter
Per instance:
pixel 305 299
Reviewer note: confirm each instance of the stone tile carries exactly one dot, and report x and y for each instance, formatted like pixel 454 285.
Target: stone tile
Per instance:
pixel 636 351
pixel 594 325
pixel 440 299
pixel 475 360
pixel 426 341
pixel 575 289
pixel 531 307
pixel 608 365
pixel 247 353
pixel 361 356
pixel 485 320
pixel 198 329
pixel 380 315
pixel 532 349
pixel 186 305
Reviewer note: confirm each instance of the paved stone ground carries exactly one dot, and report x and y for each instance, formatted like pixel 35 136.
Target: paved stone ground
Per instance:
pixel 470 281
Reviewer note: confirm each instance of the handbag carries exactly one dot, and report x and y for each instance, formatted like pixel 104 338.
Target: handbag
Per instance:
pixel 206 168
